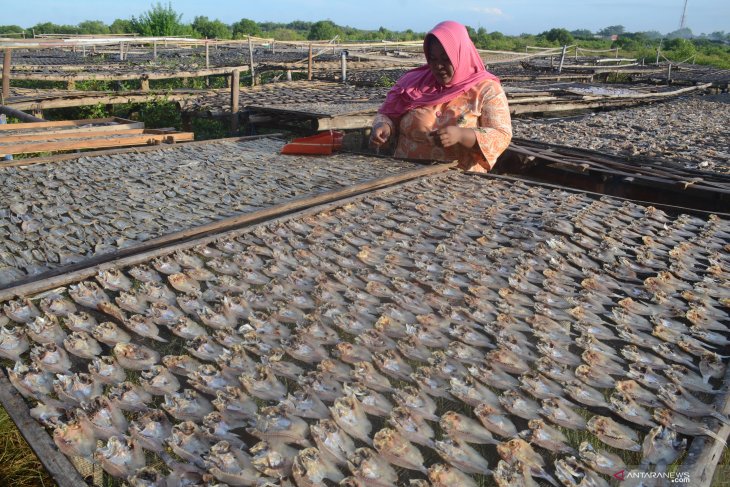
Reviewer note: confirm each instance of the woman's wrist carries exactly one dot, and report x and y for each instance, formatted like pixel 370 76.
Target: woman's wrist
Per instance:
pixel 468 137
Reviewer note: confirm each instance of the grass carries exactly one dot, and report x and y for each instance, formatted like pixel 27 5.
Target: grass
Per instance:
pixel 19 466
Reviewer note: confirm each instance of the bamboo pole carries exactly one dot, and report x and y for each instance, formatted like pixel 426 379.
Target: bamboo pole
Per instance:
pixel 6 73
pixel 309 64
pixel 235 95
pixel 250 61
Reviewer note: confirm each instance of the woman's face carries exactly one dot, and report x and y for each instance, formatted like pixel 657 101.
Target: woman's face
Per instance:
pixel 439 62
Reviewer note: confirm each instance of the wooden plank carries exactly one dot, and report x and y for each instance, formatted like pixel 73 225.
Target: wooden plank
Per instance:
pixel 68 123
pixel 66 157
pixel 50 101
pixel 7 56
pixel 704 452
pixel 125 76
pixel 95 143
pixel 58 466
pixel 6 139
pixel 345 122
pixel 235 98
pixel 139 253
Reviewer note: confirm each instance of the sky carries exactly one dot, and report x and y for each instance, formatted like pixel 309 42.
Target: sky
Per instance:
pixel 512 17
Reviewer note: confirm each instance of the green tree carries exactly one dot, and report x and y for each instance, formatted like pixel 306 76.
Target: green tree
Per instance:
pixel 246 27
pixel 121 26
pixel 159 21
pixel 611 30
pixel 582 34
pixel 51 28
pixel 324 30
pixel 561 36
pixel 211 29
pixel 93 27
pixel 684 33
pixel 11 29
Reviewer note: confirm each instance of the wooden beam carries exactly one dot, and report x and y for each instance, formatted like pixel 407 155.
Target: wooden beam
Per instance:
pixel 705 452
pixel 250 60
pixel 95 143
pixel 6 73
pixel 6 138
pixel 309 64
pixel 60 158
pixel 58 466
pixel 126 76
pixel 45 124
pixel 191 237
pixel 235 98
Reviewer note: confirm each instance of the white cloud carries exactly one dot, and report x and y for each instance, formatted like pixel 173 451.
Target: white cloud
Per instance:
pixel 491 11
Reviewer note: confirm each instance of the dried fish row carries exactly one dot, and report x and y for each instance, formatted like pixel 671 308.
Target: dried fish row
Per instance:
pixel 58 214
pixel 394 331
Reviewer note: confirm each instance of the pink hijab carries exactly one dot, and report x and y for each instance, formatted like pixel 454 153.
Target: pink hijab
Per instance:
pixel 418 87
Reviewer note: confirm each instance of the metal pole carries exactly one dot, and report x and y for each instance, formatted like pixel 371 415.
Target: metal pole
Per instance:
pixel 235 95
pixel 309 64
pixel 343 60
pixel 562 59
pixel 250 60
pixel 6 74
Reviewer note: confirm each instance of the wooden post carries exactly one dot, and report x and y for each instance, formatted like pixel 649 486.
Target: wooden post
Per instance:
pixel 562 59
pixel 235 95
pixel 83 50
pixel 71 84
pixel 288 74
pixel 154 51
pixel 552 62
pixel 145 84
pixel 273 50
pixel 121 51
pixel 250 61
pixel 6 74
pixel 576 53
pixel 207 55
pixel 669 73
pixel 616 56
pixel 309 64
pixel 343 61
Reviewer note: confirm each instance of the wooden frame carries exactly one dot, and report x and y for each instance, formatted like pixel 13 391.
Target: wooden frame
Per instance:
pixel 700 463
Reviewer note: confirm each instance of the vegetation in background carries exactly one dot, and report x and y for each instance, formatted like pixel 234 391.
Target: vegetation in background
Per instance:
pixel 19 466
pixel 163 20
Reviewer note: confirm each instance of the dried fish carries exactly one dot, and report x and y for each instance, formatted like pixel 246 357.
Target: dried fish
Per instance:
pixel 614 434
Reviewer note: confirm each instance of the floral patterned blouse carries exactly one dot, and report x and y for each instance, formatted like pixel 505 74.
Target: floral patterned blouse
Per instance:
pixel 483 107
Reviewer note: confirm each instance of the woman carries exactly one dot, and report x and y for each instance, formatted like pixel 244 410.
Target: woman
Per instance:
pixel 450 109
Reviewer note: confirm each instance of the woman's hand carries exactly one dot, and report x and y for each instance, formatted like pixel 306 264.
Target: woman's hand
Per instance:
pixel 452 135
pixel 379 135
